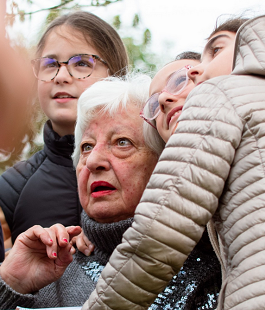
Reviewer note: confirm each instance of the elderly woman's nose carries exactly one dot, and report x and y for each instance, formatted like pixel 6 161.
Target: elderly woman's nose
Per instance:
pixel 98 160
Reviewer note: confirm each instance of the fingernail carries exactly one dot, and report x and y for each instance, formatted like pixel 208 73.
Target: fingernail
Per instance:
pixel 91 248
pixel 87 252
pixel 51 240
pixel 65 240
pixel 54 254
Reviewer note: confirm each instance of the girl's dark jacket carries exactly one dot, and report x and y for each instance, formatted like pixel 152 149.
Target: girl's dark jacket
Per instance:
pixel 43 189
pixel 2 249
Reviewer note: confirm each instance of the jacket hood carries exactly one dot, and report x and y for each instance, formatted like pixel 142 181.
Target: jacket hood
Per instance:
pixel 249 55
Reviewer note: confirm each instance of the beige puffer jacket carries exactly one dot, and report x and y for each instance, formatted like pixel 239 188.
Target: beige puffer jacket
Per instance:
pixel 214 165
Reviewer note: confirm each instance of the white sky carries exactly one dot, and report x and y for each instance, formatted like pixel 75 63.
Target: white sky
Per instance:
pixel 175 25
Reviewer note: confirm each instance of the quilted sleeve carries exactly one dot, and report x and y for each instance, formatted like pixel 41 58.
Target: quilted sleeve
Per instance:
pixel 180 198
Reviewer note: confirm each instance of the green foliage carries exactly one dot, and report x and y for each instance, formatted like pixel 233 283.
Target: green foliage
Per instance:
pixel 136 20
pixel 21 15
pixel 52 15
pixel 68 5
pixel 140 59
pixel 147 37
pixel 137 44
pixel 116 22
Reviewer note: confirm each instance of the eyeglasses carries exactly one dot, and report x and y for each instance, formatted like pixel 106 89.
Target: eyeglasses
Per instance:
pixel 175 85
pixel 79 66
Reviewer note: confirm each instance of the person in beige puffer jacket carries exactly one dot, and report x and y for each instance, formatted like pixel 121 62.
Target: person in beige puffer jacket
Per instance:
pixel 212 168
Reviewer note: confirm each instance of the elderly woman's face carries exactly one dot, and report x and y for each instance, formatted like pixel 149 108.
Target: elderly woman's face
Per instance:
pixel 114 166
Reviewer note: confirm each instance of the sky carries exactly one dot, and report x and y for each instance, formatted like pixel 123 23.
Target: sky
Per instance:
pixel 175 25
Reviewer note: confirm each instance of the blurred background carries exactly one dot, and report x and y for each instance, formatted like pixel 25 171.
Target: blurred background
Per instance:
pixel 154 32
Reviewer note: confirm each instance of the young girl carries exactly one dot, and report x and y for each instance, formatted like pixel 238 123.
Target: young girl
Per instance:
pixel 75 51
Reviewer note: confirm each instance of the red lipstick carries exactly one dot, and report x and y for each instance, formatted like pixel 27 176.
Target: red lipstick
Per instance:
pixel 101 188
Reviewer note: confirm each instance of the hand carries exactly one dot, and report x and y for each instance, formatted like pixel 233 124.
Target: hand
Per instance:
pixel 39 257
pixel 83 244
pixel 15 106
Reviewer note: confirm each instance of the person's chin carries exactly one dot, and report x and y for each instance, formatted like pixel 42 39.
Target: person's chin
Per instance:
pixel 103 210
pixel 104 218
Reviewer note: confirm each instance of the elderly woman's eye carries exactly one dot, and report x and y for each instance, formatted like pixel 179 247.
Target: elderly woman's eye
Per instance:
pixel 124 142
pixel 86 147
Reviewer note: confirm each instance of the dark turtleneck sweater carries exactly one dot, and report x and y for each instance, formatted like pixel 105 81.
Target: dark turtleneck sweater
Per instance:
pixel 195 287
pixel 43 189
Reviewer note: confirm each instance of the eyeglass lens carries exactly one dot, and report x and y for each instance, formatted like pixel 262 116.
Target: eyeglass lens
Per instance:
pixel 175 85
pixel 79 66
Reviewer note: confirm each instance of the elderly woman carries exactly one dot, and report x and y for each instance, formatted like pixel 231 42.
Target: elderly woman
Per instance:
pixel 197 284
pixel 113 165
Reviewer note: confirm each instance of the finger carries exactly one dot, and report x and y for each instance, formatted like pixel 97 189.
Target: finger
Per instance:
pixel 61 233
pixel 38 238
pixel 52 249
pixel 34 234
pixel 65 256
pixel 72 250
pixel 73 231
pixel 73 241
pixel 84 245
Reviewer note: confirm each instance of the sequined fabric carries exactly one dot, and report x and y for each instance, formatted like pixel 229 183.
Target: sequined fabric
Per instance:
pixel 93 270
pixel 195 287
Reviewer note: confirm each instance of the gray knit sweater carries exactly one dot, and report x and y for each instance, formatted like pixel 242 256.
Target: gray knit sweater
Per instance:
pixel 196 286
pixel 80 277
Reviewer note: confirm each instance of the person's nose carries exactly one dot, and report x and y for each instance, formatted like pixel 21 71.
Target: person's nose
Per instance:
pixel 63 76
pixel 98 159
pixel 166 101
pixel 195 72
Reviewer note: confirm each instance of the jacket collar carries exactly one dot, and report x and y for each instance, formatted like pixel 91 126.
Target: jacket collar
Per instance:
pixel 58 149
pixel 249 54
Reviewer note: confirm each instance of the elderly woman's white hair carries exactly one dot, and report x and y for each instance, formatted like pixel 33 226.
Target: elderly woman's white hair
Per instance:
pixel 110 94
pixel 152 137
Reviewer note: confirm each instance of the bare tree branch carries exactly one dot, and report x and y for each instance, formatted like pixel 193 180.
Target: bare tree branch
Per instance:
pixel 65 2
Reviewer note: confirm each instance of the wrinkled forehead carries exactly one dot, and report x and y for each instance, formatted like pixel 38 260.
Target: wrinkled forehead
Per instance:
pixel 121 117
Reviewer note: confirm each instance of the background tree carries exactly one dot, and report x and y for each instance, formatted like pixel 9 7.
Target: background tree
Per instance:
pixel 54 11
pixel 137 43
